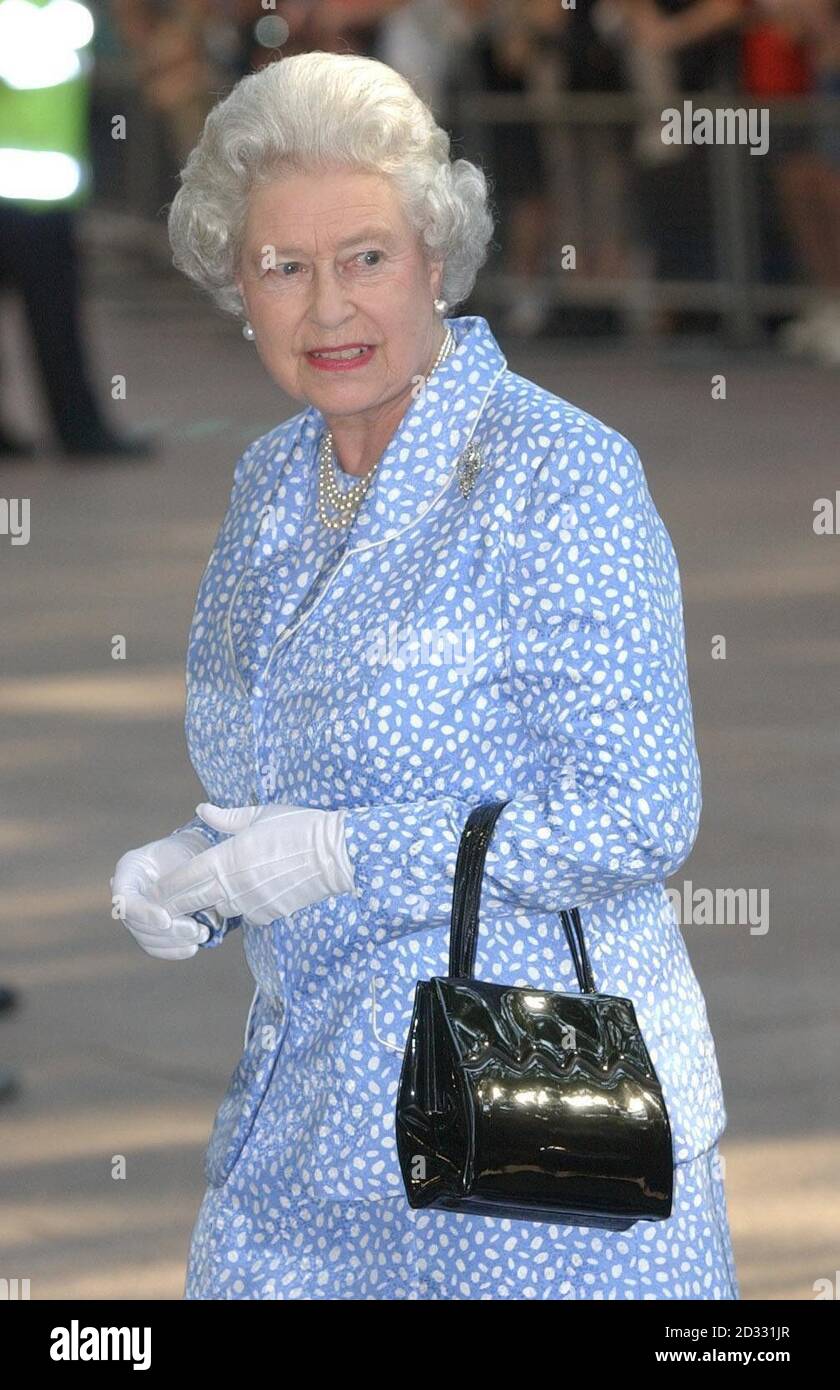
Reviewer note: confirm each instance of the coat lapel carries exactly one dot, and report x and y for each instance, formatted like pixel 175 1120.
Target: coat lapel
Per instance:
pixel 433 435
pixel 437 438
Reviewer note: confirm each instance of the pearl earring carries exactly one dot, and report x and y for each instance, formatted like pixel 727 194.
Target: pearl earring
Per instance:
pixel 248 332
pixel 441 307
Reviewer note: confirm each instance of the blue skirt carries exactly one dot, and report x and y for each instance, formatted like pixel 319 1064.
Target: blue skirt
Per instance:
pixel 280 1247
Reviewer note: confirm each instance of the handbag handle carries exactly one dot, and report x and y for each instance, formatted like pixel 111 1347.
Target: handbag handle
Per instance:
pixel 466 896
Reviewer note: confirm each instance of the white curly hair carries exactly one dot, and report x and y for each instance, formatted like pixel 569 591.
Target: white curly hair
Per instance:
pixel 319 111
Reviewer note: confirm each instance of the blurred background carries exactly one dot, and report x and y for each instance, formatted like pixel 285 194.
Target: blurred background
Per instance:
pixel 688 294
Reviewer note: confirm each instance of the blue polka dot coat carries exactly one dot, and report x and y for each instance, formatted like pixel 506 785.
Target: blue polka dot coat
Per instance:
pixel 501 622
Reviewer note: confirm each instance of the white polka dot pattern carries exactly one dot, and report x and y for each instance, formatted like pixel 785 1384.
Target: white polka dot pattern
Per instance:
pixel 524 641
pixel 273 1246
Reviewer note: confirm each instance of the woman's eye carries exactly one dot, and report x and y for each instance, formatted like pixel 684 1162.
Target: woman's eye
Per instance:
pixel 369 260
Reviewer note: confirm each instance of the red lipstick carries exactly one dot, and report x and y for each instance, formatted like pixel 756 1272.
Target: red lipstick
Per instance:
pixel 362 353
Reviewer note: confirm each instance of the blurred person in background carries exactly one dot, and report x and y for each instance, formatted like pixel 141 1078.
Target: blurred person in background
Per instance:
pixel 45 179
pixel 775 65
pixel 352 26
pixel 507 37
pixel 673 48
pixel 304 26
pixel 793 47
pixel 589 49
pixel 292 25
pixel 424 40
pixel 187 53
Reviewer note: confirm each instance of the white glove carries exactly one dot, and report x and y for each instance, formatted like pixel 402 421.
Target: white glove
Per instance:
pixel 278 859
pixel 134 879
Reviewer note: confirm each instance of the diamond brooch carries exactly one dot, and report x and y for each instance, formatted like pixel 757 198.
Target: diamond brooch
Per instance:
pixel 469 464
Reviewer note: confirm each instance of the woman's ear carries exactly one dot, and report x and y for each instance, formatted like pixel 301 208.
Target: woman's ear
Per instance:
pixel 435 277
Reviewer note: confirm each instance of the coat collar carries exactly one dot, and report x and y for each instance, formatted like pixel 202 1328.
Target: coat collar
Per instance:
pixel 422 456
pixel 419 463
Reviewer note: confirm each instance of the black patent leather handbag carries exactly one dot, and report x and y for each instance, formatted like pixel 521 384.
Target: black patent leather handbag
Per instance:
pixel 518 1102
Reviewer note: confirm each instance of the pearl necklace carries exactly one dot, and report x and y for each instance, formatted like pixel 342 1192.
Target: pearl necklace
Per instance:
pixel 345 501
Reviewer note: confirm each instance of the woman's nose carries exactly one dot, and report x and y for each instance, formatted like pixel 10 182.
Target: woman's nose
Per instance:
pixel 330 306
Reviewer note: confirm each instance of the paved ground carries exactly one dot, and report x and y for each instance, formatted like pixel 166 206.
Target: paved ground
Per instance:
pixel 123 1055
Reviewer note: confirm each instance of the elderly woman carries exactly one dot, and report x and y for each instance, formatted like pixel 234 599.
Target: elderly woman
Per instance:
pixel 436 584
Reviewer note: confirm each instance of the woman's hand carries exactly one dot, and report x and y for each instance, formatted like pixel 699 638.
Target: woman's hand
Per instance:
pixel 279 858
pixel 135 876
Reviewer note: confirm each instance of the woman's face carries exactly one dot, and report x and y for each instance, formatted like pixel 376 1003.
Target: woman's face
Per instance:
pixel 330 261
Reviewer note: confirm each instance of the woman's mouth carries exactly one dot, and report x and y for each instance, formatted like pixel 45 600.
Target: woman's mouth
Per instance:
pixel 340 359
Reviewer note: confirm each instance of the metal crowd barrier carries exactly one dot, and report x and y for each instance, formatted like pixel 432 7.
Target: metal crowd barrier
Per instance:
pixel 737 291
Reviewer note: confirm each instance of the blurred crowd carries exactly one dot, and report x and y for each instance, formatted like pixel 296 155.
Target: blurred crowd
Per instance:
pixel 614 186
pixel 589 185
